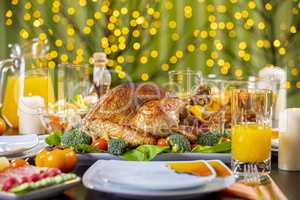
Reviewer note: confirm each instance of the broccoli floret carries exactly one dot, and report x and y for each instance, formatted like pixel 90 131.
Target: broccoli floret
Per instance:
pixel 209 139
pixel 179 143
pixel 74 137
pixel 116 146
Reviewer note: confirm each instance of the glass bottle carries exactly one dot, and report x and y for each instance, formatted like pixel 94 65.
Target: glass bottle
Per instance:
pixel 101 75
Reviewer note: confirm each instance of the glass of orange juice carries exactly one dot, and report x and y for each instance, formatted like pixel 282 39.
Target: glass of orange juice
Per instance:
pixel 251 129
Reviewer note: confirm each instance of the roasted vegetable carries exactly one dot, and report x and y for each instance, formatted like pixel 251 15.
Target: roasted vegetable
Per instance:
pixel 179 143
pixel 209 139
pixel 74 137
pixel 116 146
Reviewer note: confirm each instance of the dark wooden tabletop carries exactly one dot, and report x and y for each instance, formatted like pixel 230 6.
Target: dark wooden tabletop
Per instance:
pixel 289 183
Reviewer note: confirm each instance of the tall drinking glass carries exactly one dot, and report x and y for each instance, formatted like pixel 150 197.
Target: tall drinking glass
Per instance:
pixel 251 129
pixel 183 83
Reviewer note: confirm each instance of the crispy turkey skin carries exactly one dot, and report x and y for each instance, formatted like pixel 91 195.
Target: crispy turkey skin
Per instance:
pixel 136 113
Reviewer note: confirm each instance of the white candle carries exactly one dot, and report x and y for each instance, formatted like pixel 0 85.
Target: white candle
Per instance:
pixel 289 140
pixel 29 115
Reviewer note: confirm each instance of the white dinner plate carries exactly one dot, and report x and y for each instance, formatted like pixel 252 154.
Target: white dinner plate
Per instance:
pixel 15 144
pixel 93 179
pixel 148 175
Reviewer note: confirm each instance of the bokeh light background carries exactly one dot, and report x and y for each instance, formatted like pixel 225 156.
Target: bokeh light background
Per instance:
pixel 148 38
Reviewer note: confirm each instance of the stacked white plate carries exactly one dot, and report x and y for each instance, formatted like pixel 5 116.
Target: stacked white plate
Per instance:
pixel 149 180
pixel 19 145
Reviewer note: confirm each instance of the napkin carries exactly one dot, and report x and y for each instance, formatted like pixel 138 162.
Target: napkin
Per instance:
pixel 241 191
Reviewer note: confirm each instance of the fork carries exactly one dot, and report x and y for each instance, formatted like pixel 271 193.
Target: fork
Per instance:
pixel 253 178
pixel 251 175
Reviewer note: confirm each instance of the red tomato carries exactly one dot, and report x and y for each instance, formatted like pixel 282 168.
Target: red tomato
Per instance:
pixel 18 163
pixel 100 144
pixel 194 145
pixel 162 142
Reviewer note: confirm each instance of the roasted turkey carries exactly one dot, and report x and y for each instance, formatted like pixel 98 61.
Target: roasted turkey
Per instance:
pixel 138 114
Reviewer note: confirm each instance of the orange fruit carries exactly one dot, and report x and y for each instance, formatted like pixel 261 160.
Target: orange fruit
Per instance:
pixel 2 126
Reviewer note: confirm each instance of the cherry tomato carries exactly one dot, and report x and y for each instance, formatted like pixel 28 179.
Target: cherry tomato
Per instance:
pixel 18 163
pixel 162 142
pixel 194 145
pixel 100 144
pixel 62 158
pixel 224 139
pixel 2 126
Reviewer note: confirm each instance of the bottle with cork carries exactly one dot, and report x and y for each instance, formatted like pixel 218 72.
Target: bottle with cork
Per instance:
pixel 101 75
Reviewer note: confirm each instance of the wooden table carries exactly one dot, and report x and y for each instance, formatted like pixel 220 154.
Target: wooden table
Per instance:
pixel 287 181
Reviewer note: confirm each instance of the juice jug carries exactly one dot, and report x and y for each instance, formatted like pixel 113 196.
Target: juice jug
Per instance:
pixel 25 73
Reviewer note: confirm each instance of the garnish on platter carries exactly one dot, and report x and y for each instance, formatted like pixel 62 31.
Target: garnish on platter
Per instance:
pixel 19 177
pixel 63 115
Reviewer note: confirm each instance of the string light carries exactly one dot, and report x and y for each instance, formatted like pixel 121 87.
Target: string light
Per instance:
pixel 126 43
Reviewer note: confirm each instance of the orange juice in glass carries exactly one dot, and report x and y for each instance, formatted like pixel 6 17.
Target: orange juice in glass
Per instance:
pixel 251 130
pixel 34 85
pixel 25 73
pixel 246 137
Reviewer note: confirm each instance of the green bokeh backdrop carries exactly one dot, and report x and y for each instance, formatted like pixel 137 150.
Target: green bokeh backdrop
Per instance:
pixel 148 38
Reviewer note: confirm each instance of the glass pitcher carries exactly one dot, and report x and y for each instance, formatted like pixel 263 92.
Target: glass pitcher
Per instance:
pixel 25 73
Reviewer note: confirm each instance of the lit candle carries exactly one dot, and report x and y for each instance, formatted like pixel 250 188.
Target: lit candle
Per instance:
pixel 289 140
pixel 29 115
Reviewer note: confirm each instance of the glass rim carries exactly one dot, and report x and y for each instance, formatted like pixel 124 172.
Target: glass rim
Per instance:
pixel 185 71
pixel 71 65
pixel 252 90
pixel 225 81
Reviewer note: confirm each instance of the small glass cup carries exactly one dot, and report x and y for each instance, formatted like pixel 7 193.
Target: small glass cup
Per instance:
pixel 251 130
pixel 212 100
pixel 183 83
pixel 73 99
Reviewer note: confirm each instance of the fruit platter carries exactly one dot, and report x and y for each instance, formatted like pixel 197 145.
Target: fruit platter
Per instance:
pixel 20 180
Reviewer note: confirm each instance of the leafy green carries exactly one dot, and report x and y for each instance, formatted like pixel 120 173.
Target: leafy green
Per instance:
pixel 224 147
pixel 54 138
pixel 85 148
pixel 144 152
pixel 74 137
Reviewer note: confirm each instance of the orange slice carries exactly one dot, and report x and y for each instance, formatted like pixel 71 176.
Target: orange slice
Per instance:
pixel 198 168
pixel 221 170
